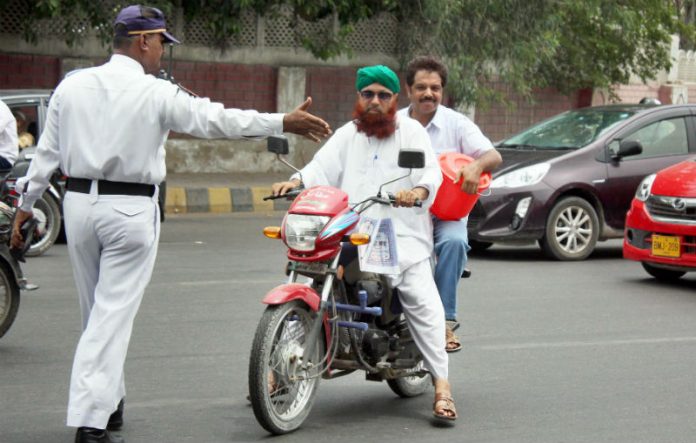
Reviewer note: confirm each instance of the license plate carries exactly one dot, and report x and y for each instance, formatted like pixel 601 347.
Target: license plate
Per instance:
pixel 665 246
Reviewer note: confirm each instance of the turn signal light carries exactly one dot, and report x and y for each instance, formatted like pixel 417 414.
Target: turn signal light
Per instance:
pixel 272 232
pixel 358 239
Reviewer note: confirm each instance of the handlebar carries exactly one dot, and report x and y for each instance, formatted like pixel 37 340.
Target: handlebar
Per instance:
pixel 290 195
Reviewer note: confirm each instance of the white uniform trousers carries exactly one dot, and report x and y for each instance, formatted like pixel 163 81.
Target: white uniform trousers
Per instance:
pixel 424 314
pixel 112 241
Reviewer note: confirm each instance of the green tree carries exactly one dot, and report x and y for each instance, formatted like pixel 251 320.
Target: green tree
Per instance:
pixel 526 44
pixel 565 44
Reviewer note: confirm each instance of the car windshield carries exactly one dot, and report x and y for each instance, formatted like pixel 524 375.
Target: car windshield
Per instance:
pixel 570 130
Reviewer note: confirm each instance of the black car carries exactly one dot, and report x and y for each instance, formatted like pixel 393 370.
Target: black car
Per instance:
pixel 568 181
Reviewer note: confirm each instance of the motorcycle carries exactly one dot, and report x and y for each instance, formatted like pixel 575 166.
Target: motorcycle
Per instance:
pixel 341 321
pixel 47 209
pixel 11 277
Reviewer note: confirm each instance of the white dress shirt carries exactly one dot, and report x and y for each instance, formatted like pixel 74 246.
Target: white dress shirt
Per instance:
pixel 111 122
pixel 9 145
pixel 358 165
pixel 451 131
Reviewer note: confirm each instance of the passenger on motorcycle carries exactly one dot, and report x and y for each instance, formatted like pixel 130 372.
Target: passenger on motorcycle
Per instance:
pixel 359 158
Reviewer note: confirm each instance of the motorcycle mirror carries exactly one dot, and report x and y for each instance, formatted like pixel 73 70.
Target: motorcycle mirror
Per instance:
pixel 411 159
pixel 278 145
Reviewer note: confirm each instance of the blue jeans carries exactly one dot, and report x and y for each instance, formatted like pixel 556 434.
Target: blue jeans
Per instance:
pixel 451 245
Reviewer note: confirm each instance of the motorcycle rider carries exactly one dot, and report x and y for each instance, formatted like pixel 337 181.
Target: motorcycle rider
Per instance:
pixel 358 158
pixel 449 131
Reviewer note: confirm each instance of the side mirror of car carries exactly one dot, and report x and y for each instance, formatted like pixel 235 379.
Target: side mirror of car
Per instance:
pixel 278 145
pixel 627 148
pixel 411 159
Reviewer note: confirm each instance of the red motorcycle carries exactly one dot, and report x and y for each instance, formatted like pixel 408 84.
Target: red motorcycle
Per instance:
pixel 340 321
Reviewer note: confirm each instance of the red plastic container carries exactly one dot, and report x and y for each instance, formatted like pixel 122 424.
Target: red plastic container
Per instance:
pixel 451 203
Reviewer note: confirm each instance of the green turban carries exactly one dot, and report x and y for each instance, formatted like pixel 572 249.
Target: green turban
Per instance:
pixel 377 74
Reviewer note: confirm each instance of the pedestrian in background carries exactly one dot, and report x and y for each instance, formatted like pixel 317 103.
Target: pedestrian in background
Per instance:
pixel 9 145
pixel 106 128
pixel 449 131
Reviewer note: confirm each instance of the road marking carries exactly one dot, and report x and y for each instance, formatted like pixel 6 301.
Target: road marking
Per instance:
pixel 581 344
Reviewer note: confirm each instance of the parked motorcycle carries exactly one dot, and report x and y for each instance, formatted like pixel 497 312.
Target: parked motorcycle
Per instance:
pixel 11 277
pixel 344 320
pixel 47 209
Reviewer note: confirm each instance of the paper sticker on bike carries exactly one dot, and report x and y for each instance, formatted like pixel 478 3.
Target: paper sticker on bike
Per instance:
pixel 380 255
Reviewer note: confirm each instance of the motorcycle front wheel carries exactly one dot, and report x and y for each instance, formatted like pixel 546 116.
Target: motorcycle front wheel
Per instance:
pixel 281 389
pixel 9 300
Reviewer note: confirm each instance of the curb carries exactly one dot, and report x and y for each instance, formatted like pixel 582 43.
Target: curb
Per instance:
pixel 187 200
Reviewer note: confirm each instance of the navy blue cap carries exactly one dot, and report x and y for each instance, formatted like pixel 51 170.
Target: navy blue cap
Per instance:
pixel 135 24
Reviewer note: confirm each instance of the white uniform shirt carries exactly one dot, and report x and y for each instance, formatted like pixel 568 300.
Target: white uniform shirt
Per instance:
pixel 9 145
pixel 358 165
pixel 110 122
pixel 451 131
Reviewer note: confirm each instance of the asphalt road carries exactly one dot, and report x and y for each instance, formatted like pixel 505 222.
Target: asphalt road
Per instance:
pixel 553 352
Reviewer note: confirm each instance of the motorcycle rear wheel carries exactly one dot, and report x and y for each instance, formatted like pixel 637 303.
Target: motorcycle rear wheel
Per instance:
pixel 406 387
pixel 281 402
pixel 47 205
pixel 9 300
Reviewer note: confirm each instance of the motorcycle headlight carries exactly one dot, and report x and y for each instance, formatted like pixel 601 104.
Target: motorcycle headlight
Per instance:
pixel 644 188
pixel 528 176
pixel 301 231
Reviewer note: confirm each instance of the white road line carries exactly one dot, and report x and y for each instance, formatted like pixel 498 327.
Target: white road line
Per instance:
pixel 587 344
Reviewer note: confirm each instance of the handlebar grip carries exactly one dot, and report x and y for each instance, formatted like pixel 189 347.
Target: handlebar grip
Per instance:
pixel 290 195
pixel 418 204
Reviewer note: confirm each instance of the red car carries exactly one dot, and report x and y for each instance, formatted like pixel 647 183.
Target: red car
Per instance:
pixel 661 224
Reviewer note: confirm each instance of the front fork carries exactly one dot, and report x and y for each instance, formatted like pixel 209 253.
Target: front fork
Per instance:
pixel 323 306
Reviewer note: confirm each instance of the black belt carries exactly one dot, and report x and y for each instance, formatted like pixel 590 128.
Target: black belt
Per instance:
pixel 106 187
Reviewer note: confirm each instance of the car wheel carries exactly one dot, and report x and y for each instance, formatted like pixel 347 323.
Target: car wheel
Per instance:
pixel 572 230
pixel 479 246
pixel 662 274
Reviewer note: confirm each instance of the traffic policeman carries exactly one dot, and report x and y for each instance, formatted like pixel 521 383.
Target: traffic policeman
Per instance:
pixel 106 129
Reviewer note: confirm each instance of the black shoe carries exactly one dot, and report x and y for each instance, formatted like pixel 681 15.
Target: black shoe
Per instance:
pixel 116 419
pixel 92 435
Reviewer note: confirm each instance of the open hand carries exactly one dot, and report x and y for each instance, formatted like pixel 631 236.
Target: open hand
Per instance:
pixel 301 122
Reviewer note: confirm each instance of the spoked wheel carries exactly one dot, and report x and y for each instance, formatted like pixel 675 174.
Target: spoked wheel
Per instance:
pixel 281 388
pixel 9 300
pixel 47 212
pixel 410 386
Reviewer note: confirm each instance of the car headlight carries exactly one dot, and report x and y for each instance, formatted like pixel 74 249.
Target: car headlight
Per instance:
pixel 644 188
pixel 528 176
pixel 301 231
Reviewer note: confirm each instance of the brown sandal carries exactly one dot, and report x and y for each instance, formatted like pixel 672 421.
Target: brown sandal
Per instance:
pixel 448 407
pixel 452 343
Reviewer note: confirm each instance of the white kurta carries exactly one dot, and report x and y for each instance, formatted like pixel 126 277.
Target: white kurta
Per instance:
pixel 110 122
pixel 358 165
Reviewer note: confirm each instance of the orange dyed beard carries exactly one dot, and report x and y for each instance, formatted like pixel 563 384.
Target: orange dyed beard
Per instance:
pixel 375 124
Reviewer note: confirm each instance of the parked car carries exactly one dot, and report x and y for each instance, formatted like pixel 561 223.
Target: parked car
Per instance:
pixel 567 182
pixel 32 105
pixel 661 224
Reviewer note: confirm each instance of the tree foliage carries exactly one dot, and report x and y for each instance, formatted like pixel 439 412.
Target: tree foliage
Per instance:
pixel 526 44
pixel 565 44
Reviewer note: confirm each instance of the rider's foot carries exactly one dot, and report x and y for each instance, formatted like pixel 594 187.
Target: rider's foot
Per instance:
pixel 443 404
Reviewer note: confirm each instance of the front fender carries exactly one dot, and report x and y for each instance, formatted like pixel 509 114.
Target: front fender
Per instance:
pixel 293 291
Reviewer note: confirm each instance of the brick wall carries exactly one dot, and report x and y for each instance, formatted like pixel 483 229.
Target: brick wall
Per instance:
pixel 236 86
pixel 499 121
pixel 29 71
pixel 634 93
